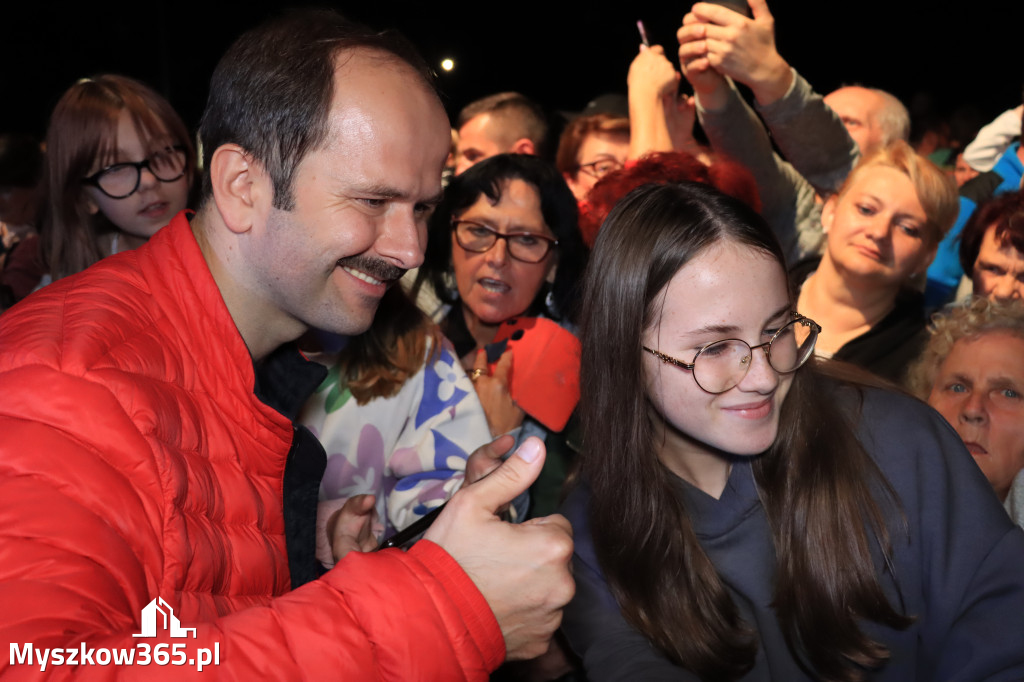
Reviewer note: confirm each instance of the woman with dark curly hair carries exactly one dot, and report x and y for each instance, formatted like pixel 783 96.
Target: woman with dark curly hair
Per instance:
pixel 503 244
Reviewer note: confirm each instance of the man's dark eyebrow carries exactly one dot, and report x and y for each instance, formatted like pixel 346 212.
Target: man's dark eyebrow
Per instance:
pixel 387 192
pixel 381 192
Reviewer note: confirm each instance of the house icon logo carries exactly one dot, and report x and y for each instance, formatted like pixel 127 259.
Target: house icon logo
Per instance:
pixel 159 609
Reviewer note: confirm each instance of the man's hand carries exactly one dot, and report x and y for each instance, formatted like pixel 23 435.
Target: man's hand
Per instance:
pixel 521 569
pixel 501 411
pixel 735 46
pixel 487 458
pixel 350 528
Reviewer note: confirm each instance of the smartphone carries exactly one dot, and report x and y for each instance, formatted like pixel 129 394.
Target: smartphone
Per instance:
pixel 643 32
pixel 404 538
pixel 740 6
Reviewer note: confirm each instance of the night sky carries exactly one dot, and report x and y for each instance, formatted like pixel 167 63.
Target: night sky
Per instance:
pixel 563 57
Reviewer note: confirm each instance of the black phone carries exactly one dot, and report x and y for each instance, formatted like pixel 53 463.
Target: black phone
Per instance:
pixel 406 537
pixel 740 6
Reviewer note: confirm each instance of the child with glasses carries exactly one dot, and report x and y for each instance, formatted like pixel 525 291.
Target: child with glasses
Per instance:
pixel 743 512
pixel 119 165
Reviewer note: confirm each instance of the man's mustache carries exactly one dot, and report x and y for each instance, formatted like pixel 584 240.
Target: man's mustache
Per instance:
pixel 374 267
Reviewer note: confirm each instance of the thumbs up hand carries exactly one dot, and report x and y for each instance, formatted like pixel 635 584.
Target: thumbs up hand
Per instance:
pixel 522 570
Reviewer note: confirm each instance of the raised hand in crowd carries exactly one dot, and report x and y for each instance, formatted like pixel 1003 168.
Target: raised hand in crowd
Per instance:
pixel 715 38
pixel 653 83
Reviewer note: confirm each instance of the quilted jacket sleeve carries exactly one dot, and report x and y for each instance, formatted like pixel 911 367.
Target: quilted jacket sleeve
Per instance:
pixel 81 532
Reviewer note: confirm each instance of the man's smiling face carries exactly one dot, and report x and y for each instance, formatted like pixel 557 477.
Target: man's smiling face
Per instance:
pixel 362 199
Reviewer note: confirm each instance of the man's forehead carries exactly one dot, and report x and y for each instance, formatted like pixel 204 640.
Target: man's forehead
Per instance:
pixel 370 83
pixel 353 62
pixel 854 97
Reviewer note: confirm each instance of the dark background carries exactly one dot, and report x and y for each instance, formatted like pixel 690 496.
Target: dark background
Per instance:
pixel 561 53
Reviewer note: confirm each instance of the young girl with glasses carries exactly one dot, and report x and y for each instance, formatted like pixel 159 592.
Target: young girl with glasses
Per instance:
pixel 740 511
pixel 119 164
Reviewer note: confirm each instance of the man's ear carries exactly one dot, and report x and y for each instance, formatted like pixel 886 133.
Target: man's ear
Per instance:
pixel 242 188
pixel 524 146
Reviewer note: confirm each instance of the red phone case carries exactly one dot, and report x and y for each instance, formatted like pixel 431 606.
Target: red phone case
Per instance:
pixel 545 376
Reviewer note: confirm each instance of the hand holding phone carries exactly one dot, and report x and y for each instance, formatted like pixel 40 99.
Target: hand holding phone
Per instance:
pixel 522 570
pixel 739 43
pixel 739 6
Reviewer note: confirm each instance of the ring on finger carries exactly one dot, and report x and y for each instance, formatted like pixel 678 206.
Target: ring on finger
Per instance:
pixel 475 373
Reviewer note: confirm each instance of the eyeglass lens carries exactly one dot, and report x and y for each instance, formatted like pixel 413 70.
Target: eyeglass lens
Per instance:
pixel 122 179
pixel 480 238
pixel 720 366
pixel 599 169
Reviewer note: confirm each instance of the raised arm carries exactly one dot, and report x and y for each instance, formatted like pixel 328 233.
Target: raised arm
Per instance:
pixel 994 139
pixel 652 85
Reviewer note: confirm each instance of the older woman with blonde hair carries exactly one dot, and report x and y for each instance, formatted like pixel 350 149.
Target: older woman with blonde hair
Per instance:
pixel 882 230
pixel 972 372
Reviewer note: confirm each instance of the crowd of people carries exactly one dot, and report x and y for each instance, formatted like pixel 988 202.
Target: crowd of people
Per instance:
pixel 724 385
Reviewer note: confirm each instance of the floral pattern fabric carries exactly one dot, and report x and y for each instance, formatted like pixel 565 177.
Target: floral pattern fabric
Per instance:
pixel 409 450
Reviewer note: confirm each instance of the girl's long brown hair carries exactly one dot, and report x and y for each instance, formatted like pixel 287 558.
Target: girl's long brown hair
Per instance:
pixel 82 130
pixel 817 482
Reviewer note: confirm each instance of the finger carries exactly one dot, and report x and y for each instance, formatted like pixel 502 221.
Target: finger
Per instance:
pixel 693 50
pixel 689 19
pixel 690 33
pixel 498 447
pixel 511 479
pixel 657 49
pixel 556 520
pixel 360 504
pixel 720 34
pixel 718 47
pixel 716 14
pixel 696 67
pixel 487 458
pixel 759 8
pixel 504 366
pixel 480 361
